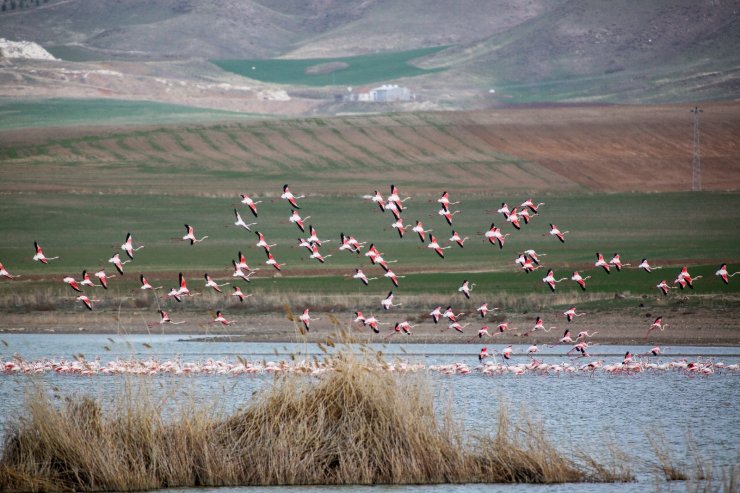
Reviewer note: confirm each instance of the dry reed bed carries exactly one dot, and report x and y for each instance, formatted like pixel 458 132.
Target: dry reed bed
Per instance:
pixel 353 425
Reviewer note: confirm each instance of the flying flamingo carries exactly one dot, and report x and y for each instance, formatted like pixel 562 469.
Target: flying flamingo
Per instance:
pixel 398 226
pixel 645 265
pixel 313 236
pixel 504 210
pixel 86 281
pixel 210 283
pixel 436 314
pixel 539 324
pixel 435 246
pixel 239 272
pixel 722 273
pixel 684 274
pixel 551 281
pixel 377 198
pixel 190 236
pixel 238 293
pixel 524 215
pixel 391 206
pixel 532 349
pixel 617 262
pixel 219 318
pixel 513 218
pixel 116 260
pixel 5 273
pixel 403 326
pixel 262 243
pixel 164 318
pixel 445 200
pixel 554 231
pixel 627 358
pixel 456 238
pixel 465 288
pixel 315 254
pixel 483 354
pixel 664 287
pixel 271 261
pixel 128 246
pixel 532 207
pixel 387 302
pixel 306 319
pixel 534 256
pixel 528 267
pixel 72 283
pixel 39 256
pixel 483 331
pixel 297 220
pixel 507 352
pixel 362 277
pixel 483 310
pixel 103 278
pixel 570 314
pixel 419 229
pixel 240 221
pixel 447 214
pixel 393 277
pixel 600 262
pixel 503 327
pixel 287 195
pixel 242 264
pixel 183 290
pixel 394 198
pixel 455 325
pixel 350 244
pixel 250 203
pixel 657 325
pixel 494 235
pixel 303 242
pixel 87 301
pixel 451 315
pixel 583 334
pixel 566 338
pixel 145 284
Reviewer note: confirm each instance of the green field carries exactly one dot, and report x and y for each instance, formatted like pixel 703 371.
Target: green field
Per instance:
pixel 363 69
pixel 70 112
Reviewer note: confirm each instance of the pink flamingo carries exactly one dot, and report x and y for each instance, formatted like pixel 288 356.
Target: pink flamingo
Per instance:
pixel 465 288
pixel 116 260
pixel 5 273
pixel 664 287
pixel 617 262
pixel 39 256
pixel 419 229
pixel 145 284
pixel 551 281
pixel 250 203
pixel 362 277
pixel 435 246
pixel 456 238
pixel 128 246
pixel 580 280
pixel 570 314
pixel 262 243
pixel 87 301
pixel 287 195
pixel 722 273
pixel 103 278
pixel 238 293
pixel 554 231
pixel 600 262
pixel 656 325
pixel 387 302
pixel 210 283
pixel 240 222
pixel 72 283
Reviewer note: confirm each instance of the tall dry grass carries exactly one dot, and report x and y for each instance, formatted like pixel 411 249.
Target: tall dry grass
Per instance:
pixel 354 424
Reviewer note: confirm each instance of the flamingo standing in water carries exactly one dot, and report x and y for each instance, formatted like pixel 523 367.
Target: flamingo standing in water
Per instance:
pixel 128 246
pixel 210 283
pixel 240 222
pixel 387 302
pixel 250 203
pixel 39 256
pixel 554 231
pixel 296 219
pixel 551 281
pixel 101 275
pixel 570 314
pixel 72 283
pixel 456 238
pixel 87 301
pixel 145 284
pixel 465 288
pixel 306 319
pixel 287 195
pixel 419 229
pixel 435 246
pixel 238 293
pixel 190 235
pixel 5 273
pixel 116 260
pixel 721 273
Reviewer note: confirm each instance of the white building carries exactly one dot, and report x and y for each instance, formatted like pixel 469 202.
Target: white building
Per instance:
pixel 389 93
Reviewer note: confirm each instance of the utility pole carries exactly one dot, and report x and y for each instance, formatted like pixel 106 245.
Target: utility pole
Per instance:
pixel 696 162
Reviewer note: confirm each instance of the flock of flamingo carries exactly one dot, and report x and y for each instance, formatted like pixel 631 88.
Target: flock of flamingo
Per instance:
pixel 528 261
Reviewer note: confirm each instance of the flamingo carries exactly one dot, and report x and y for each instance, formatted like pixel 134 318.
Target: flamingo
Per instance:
pixel 238 293
pixel 513 218
pixel 445 200
pixel 483 310
pixel 355 244
pixel 387 302
pixel 315 254
pixel 5 273
pixel 554 231
pixel 403 326
pixel 398 226
pixel 313 236
pixel 436 314
pixel 190 236
pixel 435 246
pixel 528 267
pixel 684 274
pixel 296 219
pixel 419 229
pixel 287 195
pixel 391 206
pixel 210 283
pixel 164 318
pixel 303 242
pixel 350 244
pixel 532 349
pixel 570 314
pixel 722 273
pixel 447 214
pixel 583 334
pixel 359 317
pixel 664 287
pixel 551 281
pixel 250 203
pixel 566 338
pixel 483 354
pixel 362 277
pixel 506 353
pixel 242 264
pixel 145 284
pixel 239 272
pixel 579 279
pixel 503 327
pixel 534 256
pixel 116 260
pixel 103 278
pixel 72 283
pixel 456 238
pixel 524 215
pixel 86 281
pixel 262 243
pixel 455 325
pixel 656 325
pixel 617 262
pixel 494 235
pixel 183 290
pixel 39 256
pixel 393 277
pixel 240 221
pixel 87 301
pixel 451 315
pixel 377 198
pixel 504 210
pixel 128 246
pixel 483 331
pixel 532 207
pixel 465 288
pixel 539 324
pixel 394 198
pixel 306 319
pixel 271 261
pixel 600 262
pixel 645 265
pixel 627 358
pixel 219 318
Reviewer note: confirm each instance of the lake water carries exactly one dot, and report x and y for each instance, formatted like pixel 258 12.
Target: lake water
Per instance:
pixel 578 410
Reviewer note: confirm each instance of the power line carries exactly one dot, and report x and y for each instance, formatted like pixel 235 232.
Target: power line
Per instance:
pixel 696 161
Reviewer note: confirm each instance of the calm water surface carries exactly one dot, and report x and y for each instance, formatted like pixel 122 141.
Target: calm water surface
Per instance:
pixel 578 411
